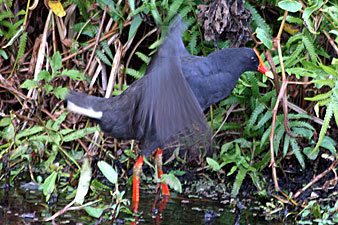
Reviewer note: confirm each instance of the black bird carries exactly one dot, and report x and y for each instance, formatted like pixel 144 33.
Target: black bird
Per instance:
pixel 170 98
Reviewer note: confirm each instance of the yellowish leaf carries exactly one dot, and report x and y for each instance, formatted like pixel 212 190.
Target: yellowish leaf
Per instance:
pixel 57 8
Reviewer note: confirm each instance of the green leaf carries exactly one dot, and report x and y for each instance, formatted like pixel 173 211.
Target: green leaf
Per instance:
pixel 19 151
pixel 22 46
pixel 329 69
pixel 103 57
pixel 172 181
pixel 296 150
pixel 173 9
pixel 214 165
pixel 307 15
pixel 155 13
pixel 5 121
pixel 28 132
pixel 2 52
pixel 327 118
pixel 307 151
pixel 29 84
pixel 143 57
pixel 107 49
pixel 60 92
pixel 232 170
pixel 56 62
pixel 238 181
pixel 257 18
pixel 320 96
pixel 8 132
pixel 44 75
pixel 73 74
pixel 108 171
pixel 263 36
pixel 291 6
pixel 292 19
pixel 310 48
pixel 329 144
pixel 49 185
pixel 134 73
pixel 84 182
pixel 47 88
pixel 94 212
pixel 286 145
pixel 62 117
pixel 135 24
pixel 79 134
pixel 132 5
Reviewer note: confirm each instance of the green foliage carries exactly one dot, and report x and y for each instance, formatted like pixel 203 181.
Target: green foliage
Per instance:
pixel 172 181
pixel 108 171
pixel 44 75
pixel 317 213
pixel 291 6
pixel 49 185
pixel 304 55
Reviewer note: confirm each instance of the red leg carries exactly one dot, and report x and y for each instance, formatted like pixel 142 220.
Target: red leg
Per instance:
pixel 158 161
pixel 136 182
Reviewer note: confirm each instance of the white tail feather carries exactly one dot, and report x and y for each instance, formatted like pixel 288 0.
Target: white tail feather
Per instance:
pixel 84 111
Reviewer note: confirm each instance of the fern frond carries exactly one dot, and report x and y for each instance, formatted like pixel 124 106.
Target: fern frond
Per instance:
pixel 294 38
pixel 238 181
pixel 107 50
pixel 259 21
pixel 335 102
pixel 253 83
pixel 103 57
pixel 327 118
pixel 265 136
pixel 265 118
pixel 296 150
pixel 310 48
pixel 134 73
pixel 193 42
pixel 292 116
pixel 143 57
pixel 184 11
pixel 301 124
pixel 257 111
pixel 286 145
pixel 22 46
pixel 278 137
pixel 173 9
pixel 291 60
pixel 300 72
pixel 231 100
pixel 267 96
pixel 303 132
pixel 82 7
pixel 189 21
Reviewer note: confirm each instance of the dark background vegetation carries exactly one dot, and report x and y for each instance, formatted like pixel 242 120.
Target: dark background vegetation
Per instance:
pixel 43 55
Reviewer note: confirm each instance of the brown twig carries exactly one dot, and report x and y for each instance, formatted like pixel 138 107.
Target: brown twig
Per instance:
pixel 96 41
pixel 273 68
pixel 317 178
pixel 105 37
pixel 274 117
pixel 331 41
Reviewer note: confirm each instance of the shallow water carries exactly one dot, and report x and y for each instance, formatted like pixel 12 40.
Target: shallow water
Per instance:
pixel 19 206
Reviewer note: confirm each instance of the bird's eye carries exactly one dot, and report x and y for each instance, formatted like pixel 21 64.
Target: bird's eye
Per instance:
pixel 253 58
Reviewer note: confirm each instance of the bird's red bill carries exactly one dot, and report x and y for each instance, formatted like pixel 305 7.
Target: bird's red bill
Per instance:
pixel 262 67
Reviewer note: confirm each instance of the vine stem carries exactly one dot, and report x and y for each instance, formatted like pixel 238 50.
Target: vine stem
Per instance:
pixel 280 96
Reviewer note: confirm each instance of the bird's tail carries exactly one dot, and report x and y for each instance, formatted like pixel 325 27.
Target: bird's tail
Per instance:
pixel 84 104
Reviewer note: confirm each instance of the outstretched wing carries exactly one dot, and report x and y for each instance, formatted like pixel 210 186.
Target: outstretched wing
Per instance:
pixel 169 107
